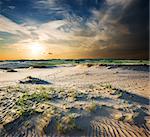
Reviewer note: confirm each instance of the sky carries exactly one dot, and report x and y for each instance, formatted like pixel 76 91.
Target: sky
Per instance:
pixel 73 29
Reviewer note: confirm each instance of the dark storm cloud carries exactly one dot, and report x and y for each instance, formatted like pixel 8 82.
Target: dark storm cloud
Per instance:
pixel 135 43
pixel 136 18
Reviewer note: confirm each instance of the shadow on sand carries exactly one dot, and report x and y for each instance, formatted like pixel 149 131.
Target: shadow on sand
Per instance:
pixel 23 125
pixel 132 97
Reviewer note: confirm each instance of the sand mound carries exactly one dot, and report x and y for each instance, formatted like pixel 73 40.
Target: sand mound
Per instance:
pixel 11 70
pixel 85 65
pixel 32 80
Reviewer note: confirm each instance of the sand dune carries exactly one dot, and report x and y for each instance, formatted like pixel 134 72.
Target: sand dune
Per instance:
pixel 74 101
pixel 128 79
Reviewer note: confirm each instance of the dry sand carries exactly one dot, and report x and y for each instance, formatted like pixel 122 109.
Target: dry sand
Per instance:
pixel 75 101
pixel 130 80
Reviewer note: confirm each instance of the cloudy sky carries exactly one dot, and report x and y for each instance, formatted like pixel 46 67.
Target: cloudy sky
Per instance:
pixel 42 29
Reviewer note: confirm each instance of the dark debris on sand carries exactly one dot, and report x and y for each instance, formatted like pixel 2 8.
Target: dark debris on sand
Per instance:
pixel 32 80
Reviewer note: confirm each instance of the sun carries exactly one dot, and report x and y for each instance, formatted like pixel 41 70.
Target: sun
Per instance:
pixel 36 49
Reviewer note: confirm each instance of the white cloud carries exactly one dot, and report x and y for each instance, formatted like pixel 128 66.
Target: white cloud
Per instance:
pixel 38 32
pixel 101 26
pixel 47 2
pixel 123 3
pixel 48 5
pixel 7 25
pixel 11 7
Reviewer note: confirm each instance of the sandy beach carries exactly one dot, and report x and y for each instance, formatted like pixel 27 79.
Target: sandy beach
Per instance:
pixel 75 100
pixel 74 68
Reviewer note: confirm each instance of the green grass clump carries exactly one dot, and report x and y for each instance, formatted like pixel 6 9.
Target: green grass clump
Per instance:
pixel 122 62
pixel 119 117
pixel 91 86
pixel 129 117
pixel 107 86
pixel 91 108
pixel 26 111
pixel 51 63
pixel 66 124
pixel 73 95
pixel 120 94
pixel 41 88
pixel 26 102
pixel 27 124
pixel 38 97
pixel 125 117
